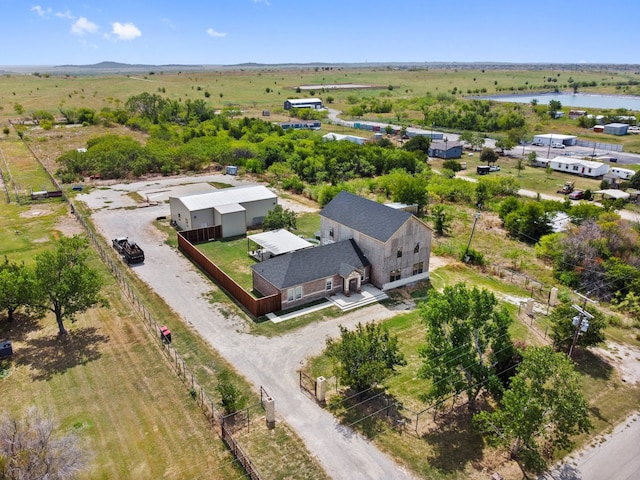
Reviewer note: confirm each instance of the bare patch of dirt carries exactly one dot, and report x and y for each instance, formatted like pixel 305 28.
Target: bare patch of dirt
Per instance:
pixel 437 262
pixel 624 358
pixel 69 226
pixel 37 211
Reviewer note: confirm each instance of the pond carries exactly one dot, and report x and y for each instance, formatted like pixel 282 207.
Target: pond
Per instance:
pixel 584 100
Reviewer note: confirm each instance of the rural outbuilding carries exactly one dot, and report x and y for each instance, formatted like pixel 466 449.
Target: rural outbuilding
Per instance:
pixel 290 103
pixel 445 150
pixel 616 128
pixel 234 209
pixel 348 138
pixel 551 138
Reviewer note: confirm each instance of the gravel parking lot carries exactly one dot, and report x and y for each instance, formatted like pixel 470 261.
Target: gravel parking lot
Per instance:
pixel 267 362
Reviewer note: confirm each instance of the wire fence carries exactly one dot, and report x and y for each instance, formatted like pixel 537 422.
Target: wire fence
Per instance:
pixel 197 391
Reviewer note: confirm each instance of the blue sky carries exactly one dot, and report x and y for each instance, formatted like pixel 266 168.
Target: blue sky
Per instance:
pixel 280 31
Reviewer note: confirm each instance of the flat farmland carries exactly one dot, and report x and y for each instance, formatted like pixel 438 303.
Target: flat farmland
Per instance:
pixel 253 90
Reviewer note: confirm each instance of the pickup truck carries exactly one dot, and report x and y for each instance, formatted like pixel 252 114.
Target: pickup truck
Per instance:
pixel 130 251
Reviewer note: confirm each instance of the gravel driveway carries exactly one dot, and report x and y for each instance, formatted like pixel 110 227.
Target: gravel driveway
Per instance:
pixel 267 362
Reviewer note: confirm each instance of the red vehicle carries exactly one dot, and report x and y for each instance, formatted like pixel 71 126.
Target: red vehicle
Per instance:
pixel 576 195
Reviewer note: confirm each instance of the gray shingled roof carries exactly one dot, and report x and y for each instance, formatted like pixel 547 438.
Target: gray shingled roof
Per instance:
pixel 366 216
pixel 315 263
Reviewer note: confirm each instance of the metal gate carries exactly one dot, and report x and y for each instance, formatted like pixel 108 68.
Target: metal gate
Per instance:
pixel 308 384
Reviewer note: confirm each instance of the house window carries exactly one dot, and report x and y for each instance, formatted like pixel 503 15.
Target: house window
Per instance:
pixel 418 268
pixel 394 275
pixel 575 168
pixel 416 249
pixel 399 253
pixel 329 285
pixel 331 232
pixel 294 294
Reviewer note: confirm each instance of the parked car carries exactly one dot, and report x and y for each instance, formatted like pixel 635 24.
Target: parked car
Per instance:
pixel 576 195
pixel 494 168
pixel 557 145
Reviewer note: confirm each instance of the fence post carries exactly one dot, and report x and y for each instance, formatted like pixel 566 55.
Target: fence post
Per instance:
pixel 322 390
pixel 270 410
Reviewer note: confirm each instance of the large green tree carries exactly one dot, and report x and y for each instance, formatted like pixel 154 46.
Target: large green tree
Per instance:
pixel 64 282
pixel 466 335
pixel 505 143
pixel 528 223
pixel 16 287
pixel 279 217
pixel 488 155
pixel 366 356
pixel 540 411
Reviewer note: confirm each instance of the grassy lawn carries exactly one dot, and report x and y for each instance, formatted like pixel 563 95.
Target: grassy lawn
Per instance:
pixel 450 448
pixel 24 173
pixel 231 254
pixel 111 384
pixel 26 230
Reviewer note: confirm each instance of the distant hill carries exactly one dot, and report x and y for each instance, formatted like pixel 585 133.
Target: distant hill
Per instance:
pixel 126 66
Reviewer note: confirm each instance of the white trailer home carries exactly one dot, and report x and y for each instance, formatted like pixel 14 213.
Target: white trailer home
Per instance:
pixel 623 173
pixel 577 166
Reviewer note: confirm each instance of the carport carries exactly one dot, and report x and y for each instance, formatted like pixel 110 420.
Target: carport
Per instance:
pixel 612 194
pixel 274 243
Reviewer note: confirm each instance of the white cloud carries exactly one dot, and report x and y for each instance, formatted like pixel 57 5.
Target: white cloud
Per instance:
pixel 40 11
pixel 125 31
pixel 266 2
pixel 66 15
pixel 83 26
pixel 212 33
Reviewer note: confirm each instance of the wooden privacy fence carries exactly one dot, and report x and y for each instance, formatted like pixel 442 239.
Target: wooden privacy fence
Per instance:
pixel 199 235
pixel 256 306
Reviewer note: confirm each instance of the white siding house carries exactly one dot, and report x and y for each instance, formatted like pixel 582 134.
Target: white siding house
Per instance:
pixel 576 166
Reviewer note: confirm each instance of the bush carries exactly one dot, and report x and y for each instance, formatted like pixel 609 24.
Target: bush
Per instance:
pixel 473 257
pixel 452 165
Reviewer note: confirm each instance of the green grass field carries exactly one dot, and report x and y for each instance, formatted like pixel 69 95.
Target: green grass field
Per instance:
pixel 110 383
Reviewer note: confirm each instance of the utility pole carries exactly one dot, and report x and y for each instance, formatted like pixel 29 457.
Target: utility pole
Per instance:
pixel 581 321
pixel 465 257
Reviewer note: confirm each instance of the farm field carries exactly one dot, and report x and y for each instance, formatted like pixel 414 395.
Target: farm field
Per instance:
pixel 254 90
pixel 112 342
